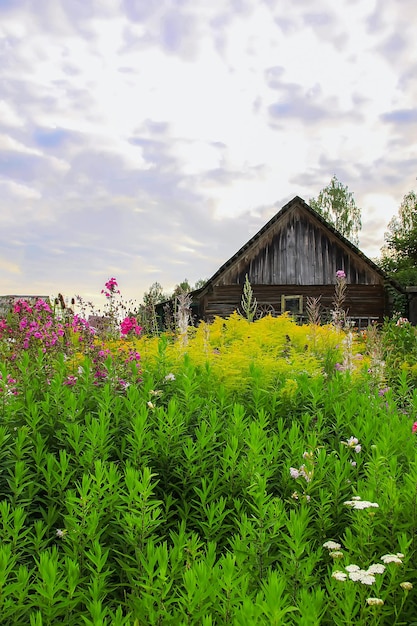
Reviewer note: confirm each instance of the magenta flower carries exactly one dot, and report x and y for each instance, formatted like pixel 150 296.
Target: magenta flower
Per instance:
pixel 133 356
pixel 414 428
pixel 340 274
pixel 130 325
pixel 41 305
pixel 111 288
pixel 22 305
pixel 70 381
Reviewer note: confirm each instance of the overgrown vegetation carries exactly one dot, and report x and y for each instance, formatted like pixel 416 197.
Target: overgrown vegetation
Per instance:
pixel 257 473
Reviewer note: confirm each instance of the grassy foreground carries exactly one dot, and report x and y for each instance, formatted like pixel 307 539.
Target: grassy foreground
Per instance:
pixel 254 473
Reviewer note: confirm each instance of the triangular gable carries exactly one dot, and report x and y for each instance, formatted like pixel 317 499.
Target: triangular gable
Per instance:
pixel 297 246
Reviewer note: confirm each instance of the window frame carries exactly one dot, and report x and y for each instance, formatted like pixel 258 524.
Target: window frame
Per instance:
pixel 285 298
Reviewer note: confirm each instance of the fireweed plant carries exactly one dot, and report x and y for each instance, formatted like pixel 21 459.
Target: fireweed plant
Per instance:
pixel 239 478
pixel 42 339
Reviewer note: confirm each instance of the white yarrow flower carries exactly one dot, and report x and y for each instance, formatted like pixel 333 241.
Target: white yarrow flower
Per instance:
pixel 338 575
pixel 367 579
pixel 391 558
pixel 352 568
pixel 332 545
pixel 361 504
pixel 377 568
pixel 375 601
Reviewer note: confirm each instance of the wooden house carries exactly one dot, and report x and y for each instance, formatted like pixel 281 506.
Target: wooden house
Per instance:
pixel 293 257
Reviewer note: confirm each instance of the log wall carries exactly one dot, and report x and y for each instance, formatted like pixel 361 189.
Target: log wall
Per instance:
pixel 362 301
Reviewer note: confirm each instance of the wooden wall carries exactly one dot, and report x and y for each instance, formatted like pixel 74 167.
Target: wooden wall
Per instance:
pixel 298 250
pixel 367 301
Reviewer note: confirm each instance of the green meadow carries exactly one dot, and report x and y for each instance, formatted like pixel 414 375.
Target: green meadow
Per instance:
pixel 241 473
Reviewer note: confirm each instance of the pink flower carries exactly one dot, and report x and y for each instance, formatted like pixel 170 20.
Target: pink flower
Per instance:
pixel 130 324
pixel 111 287
pixel 414 428
pixel 401 321
pixel 340 274
pixel 70 381
pixel 41 305
pixel 133 356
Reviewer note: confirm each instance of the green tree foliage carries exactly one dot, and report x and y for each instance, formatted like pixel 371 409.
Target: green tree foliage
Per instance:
pixel 154 295
pixel 200 283
pixel 399 254
pixel 185 286
pixel 337 205
pixel 182 287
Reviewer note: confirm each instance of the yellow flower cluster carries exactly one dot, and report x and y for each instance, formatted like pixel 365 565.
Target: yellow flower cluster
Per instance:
pixel 235 348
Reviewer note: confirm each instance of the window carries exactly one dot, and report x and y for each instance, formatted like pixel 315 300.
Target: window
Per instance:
pixel 292 304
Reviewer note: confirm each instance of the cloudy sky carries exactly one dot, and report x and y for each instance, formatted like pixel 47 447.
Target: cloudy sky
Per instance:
pixel 150 139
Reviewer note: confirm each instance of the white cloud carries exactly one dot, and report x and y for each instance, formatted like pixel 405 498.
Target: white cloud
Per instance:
pixel 152 143
pixel 8 115
pixel 18 190
pixel 10 144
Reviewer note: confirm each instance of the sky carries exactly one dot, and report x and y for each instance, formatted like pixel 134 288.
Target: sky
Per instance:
pixel 148 140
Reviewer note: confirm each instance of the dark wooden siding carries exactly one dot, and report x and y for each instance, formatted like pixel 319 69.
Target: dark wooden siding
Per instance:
pixel 298 250
pixel 366 301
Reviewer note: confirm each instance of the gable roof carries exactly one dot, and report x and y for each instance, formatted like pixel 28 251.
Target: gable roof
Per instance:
pixel 301 204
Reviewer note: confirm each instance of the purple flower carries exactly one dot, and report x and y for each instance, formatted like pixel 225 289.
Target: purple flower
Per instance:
pixel 340 274
pixel 70 381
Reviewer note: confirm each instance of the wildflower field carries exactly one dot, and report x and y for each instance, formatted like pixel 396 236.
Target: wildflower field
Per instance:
pixel 239 473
